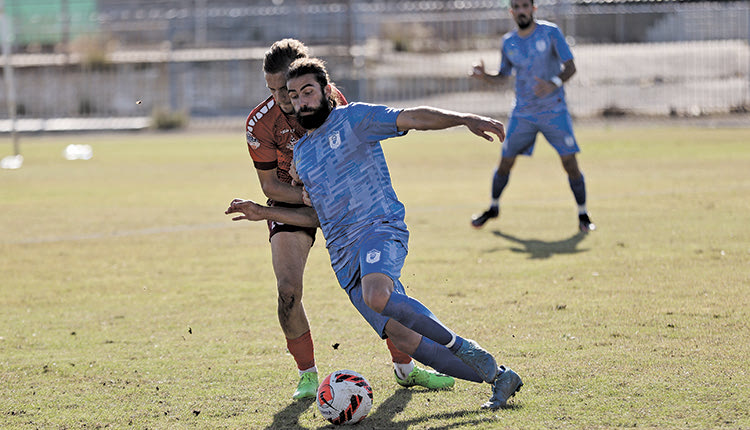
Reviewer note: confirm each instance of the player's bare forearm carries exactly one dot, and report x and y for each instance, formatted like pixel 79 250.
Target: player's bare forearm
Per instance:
pixel 544 87
pixel 429 118
pixel 479 72
pixel 282 192
pixel 498 80
pixel 569 69
pixel 251 211
pixel 276 190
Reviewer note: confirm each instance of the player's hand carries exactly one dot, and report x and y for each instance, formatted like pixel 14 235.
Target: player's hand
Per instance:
pixel 250 210
pixel 306 197
pixel 482 126
pixel 478 70
pixel 542 87
pixel 295 177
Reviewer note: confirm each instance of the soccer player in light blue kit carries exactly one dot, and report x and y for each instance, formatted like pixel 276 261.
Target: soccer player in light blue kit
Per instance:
pixel 341 163
pixel 541 59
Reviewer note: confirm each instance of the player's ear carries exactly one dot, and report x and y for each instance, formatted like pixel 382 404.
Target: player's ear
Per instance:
pixel 327 91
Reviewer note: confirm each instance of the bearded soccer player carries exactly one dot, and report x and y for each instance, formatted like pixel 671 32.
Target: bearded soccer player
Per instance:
pixel 541 59
pixel 272 131
pixel 341 162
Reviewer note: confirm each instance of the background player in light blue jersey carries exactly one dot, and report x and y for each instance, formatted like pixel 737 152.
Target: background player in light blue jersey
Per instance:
pixel 341 163
pixel 540 58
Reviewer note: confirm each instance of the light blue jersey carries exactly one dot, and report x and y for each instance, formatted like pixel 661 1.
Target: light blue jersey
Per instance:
pixel 538 55
pixel 345 173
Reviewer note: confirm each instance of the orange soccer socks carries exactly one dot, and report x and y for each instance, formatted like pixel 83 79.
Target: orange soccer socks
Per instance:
pixel 398 356
pixel 302 350
pixel 402 363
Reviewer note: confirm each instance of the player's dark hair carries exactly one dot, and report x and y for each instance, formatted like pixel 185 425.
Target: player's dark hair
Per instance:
pixel 282 53
pixel 312 66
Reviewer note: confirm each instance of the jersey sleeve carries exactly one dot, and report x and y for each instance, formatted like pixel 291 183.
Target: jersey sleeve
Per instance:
pixel 560 44
pixel 374 123
pixel 260 143
pixel 506 67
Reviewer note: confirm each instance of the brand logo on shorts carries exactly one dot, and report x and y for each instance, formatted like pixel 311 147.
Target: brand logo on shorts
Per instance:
pixel 334 140
pixel 569 140
pixel 373 256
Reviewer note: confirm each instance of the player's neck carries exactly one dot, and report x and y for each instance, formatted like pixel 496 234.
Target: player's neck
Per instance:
pixel 523 32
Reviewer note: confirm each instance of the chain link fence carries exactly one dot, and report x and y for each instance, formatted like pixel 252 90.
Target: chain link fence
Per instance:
pixel 124 63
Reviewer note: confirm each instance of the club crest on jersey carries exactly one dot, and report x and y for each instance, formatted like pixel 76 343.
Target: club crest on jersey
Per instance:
pixel 541 45
pixel 373 256
pixel 334 140
pixel 252 141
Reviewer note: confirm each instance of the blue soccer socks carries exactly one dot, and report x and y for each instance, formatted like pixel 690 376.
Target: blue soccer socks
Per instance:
pixel 578 186
pixel 498 185
pixel 441 359
pixel 414 315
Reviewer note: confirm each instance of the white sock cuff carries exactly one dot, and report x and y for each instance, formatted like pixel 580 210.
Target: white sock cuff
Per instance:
pixel 452 342
pixel 403 369
pixel 313 369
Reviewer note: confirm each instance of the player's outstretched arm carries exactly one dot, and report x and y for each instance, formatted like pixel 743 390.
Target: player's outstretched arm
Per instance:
pixel 251 211
pixel 429 118
pixel 479 72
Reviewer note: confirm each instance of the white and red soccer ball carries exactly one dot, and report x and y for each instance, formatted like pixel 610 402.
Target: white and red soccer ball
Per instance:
pixel 344 397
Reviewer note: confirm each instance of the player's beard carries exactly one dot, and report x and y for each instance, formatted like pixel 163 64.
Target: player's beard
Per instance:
pixel 524 21
pixel 318 116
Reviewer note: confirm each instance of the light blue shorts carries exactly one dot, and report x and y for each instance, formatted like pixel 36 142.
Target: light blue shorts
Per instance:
pixel 556 127
pixel 381 249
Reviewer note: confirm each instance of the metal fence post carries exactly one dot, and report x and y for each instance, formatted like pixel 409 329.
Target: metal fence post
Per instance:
pixel 10 83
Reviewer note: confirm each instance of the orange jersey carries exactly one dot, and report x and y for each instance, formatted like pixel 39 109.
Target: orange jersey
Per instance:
pixel 271 136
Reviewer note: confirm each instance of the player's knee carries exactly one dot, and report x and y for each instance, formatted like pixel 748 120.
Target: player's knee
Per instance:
pixel 570 164
pixel 289 293
pixel 375 298
pixel 376 291
pixel 505 165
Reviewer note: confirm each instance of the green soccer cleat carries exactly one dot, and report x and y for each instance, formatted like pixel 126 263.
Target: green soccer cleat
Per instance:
pixel 426 378
pixel 307 387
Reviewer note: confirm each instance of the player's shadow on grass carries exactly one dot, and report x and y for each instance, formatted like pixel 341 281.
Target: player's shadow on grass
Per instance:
pixel 288 418
pixel 540 249
pixel 385 412
pixel 384 415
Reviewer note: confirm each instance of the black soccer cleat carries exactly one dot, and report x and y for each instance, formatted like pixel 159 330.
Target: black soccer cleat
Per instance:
pixel 585 224
pixel 477 221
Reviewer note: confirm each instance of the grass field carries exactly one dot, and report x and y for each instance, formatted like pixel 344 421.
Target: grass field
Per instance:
pixel 129 300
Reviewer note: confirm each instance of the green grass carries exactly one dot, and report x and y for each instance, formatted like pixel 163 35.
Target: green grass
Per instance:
pixel 129 300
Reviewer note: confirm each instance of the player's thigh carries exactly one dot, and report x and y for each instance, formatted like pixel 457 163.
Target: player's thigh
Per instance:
pixel 558 130
pixel 520 137
pixel 289 252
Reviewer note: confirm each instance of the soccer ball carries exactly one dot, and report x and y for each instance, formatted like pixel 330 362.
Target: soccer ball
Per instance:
pixel 344 397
